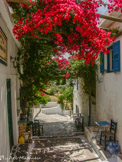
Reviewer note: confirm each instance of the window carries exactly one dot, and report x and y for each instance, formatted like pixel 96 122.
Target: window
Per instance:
pixel 102 62
pixel 113 59
pixel 77 109
pixel 110 60
pixel 116 56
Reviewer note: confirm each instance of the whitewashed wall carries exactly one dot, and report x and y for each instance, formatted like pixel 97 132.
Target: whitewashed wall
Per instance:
pixel 8 72
pixel 109 97
pixel 80 100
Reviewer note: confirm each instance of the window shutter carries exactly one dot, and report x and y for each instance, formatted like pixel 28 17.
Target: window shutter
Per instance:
pixel 108 62
pixel 116 56
pixel 102 62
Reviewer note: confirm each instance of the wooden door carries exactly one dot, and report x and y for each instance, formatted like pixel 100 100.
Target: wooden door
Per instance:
pixel 9 107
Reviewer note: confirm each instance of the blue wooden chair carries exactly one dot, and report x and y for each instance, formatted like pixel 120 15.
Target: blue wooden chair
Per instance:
pixel 111 134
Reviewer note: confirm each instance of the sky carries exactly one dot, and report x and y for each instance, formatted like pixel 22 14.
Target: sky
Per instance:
pixel 103 9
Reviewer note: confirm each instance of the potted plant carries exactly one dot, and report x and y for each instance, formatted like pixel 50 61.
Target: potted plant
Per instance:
pixel 23 115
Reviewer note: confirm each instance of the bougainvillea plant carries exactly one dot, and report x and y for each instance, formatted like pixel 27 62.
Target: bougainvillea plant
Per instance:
pixel 48 29
pixel 36 70
pixel 70 24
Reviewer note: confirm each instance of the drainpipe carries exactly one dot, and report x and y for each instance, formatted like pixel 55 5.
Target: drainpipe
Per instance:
pixel 89 121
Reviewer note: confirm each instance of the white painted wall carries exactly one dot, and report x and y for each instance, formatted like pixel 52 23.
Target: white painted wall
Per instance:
pixel 8 72
pixel 82 101
pixel 109 96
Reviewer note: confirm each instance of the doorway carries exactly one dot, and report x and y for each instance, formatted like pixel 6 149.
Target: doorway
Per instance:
pixel 9 107
pixel 77 109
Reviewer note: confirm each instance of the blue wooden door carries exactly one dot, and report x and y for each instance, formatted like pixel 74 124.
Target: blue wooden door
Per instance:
pixel 10 124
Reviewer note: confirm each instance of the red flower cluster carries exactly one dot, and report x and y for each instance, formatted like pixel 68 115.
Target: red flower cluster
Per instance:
pixel 115 5
pixel 66 76
pixel 73 26
pixel 62 62
pixel 43 94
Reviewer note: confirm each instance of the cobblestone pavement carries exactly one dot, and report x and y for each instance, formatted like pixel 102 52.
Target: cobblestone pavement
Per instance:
pixel 62 149
pixel 60 142
pixel 57 125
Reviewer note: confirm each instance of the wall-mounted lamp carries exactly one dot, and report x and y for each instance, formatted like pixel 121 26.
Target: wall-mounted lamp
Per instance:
pixel 14 61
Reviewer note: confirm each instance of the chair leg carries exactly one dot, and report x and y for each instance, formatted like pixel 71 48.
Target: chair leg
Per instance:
pixel 39 131
pixel 105 143
pixel 33 131
pixel 42 129
pixel 83 125
pixel 110 139
pixel 77 128
pixel 100 138
pixel 114 138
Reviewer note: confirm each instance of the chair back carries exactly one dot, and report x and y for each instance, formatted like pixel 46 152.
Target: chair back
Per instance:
pixel 113 127
pixel 36 128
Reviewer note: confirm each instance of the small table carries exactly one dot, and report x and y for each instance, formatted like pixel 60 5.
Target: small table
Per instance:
pixel 102 124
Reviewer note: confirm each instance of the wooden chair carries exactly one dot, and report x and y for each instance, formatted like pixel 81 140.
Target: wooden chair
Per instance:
pixel 36 127
pixel 111 134
pixel 79 123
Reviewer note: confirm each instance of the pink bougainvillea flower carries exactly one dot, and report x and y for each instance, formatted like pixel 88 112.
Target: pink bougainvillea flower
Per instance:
pixel 72 26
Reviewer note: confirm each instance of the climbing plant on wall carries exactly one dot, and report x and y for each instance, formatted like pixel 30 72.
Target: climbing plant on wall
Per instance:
pixel 87 72
pixel 70 25
pixel 89 75
pixel 48 29
pixel 36 71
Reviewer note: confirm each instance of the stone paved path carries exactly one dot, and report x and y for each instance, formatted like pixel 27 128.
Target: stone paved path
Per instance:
pixel 57 125
pixel 60 142
pixel 62 149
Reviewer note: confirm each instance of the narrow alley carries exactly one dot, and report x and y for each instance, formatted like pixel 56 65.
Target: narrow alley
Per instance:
pixel 60 81
pixel 60 142
pixel 63 145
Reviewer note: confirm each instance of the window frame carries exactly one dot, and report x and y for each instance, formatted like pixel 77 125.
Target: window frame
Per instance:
pixel 116 62
pixel 108 60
